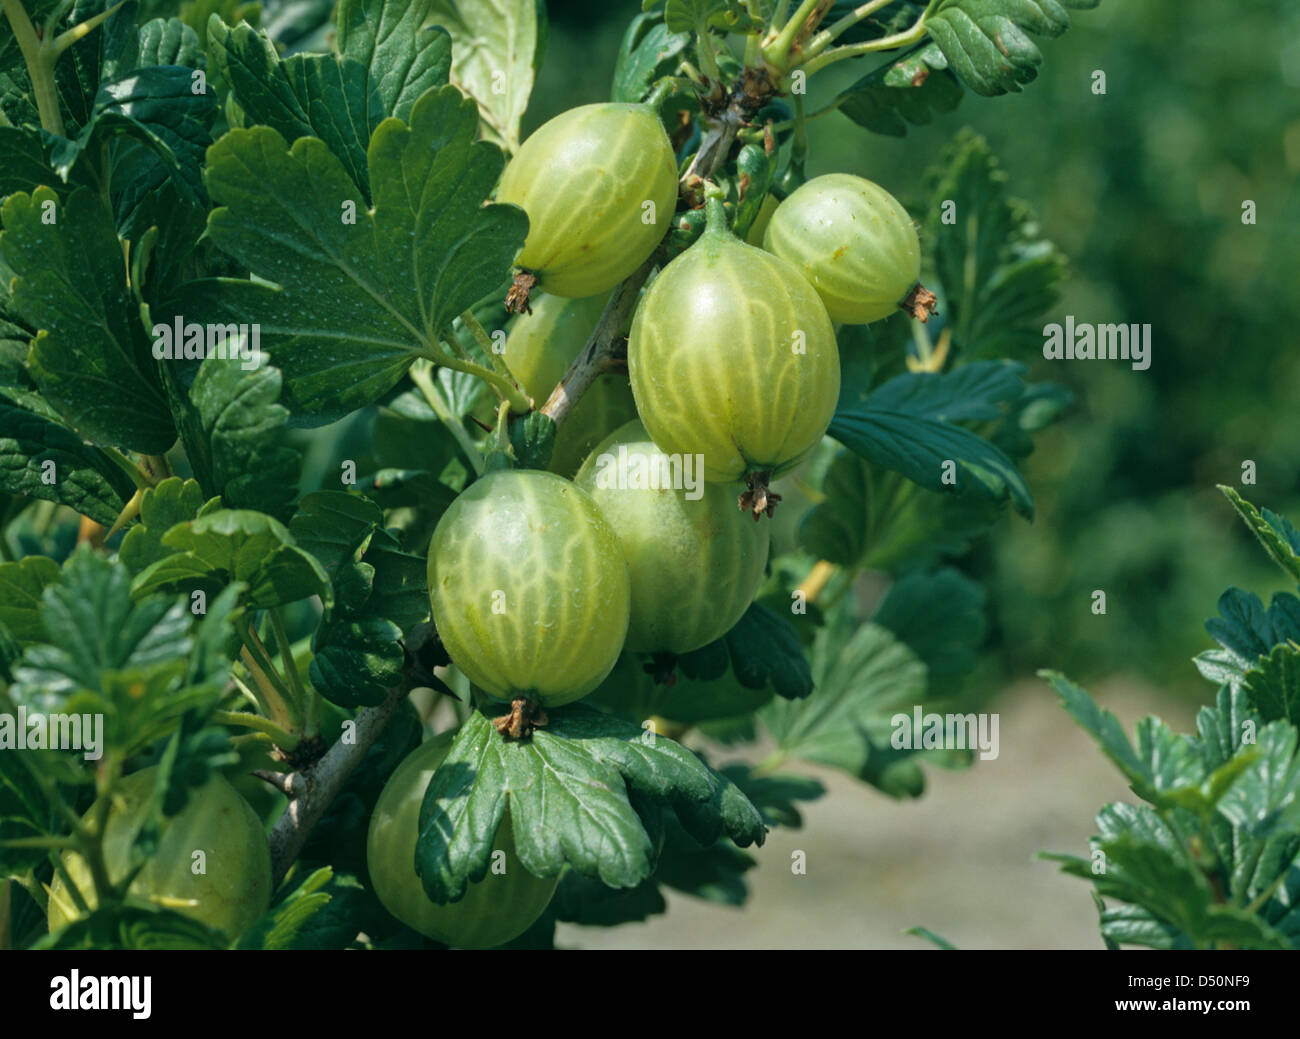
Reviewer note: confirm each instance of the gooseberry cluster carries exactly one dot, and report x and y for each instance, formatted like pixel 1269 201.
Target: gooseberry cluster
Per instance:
pixel 634 540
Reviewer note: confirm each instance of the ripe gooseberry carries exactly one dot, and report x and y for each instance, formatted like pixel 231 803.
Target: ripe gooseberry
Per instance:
pixel 599 185
pixel 232 891
pixel 695 561
pixel 495 909
pixel 529 587
pixel 732 356
pixel 853 241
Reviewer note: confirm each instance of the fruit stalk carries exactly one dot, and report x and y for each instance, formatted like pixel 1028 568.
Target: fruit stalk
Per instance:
pixel 421 373
pixel 885 43
pixel 484 341
pixel 829 35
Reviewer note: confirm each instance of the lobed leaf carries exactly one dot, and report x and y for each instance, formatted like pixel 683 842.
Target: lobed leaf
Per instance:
pixel 91 358
pixel 569 791
pixel 352 304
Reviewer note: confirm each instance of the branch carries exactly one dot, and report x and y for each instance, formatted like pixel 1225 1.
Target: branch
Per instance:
pixel 313 789
pixel 598 355
pixel 317 785
pixel 748 94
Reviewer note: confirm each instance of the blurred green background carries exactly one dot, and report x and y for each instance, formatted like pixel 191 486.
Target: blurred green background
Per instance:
pixel 1142 187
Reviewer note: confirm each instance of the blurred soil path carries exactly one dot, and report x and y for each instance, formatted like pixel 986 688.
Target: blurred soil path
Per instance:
pixel 960 860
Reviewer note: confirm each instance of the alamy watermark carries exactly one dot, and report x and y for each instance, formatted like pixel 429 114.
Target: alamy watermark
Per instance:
pixel 928 731
pixel 1082 341
pixel 73 991
pixel 626 470
pixel 190 341
pixel 37 731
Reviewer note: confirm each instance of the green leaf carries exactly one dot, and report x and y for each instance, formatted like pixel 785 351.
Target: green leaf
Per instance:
pixel 24 812
pixel 386 60
pixel 940 616
pixel 775 795
pixel 567 789
pixel 907 527
pixel 698 15
pixel 356 661
pixel 1038 407
pixel 1248 631
pixel 281 926
pixel 17 103
pixel 496 52
pixel 909 89
pixel 974 392
pixel 1280 539
pixel 106 655
pixel 999 274
pixel 306 95
pixel 134 927
pixel 395 488
pixel 908 425
pixel 99 57
pixel 1169 769
pixel 229 545
pixel 320 913
pixel 16 383
pixel 353 304
pixel 1274 685
pixel 765 650
pixel 581 900
pixel 1162 878
pixel 162 507
pixel 1134 925
pixel 404 53
pixel 988 43
pixel 157 106
pixel 91 359
pixel 43 459
pixel 1106 729
pixel 714 872
pixel 24 165
pixel 93 629
pixel 21 586
pixel 648 50
pixel 169 41
pixel 380 594
pixel 632 693
pixel 340 529
pixel 860 682
pixel 1267 795
pixel 244 426
pixel 1227 727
